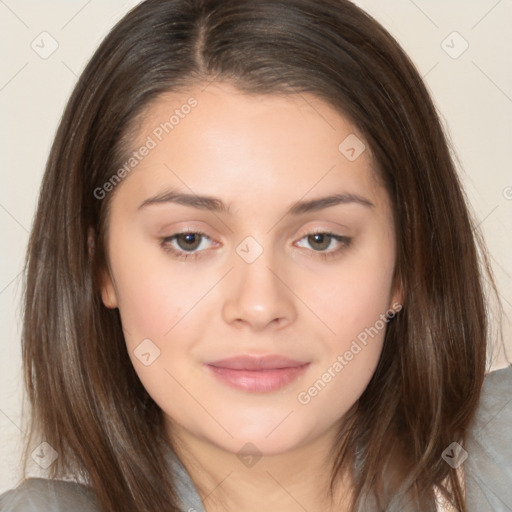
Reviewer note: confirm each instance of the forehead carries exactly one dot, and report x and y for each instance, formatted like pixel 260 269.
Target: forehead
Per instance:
pixel 219 140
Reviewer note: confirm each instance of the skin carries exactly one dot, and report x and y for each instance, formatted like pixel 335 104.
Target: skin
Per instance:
pixel 259 155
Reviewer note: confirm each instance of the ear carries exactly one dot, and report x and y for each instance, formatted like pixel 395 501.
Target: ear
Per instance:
pixel 108 292
pixel 398 295
pixel 107 288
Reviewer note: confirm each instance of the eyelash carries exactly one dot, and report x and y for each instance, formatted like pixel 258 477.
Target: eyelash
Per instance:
pixel 180 254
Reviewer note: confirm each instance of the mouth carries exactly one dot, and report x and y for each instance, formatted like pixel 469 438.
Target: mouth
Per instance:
pixel 256 373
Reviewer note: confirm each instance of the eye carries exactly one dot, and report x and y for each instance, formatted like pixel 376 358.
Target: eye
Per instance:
pixel 321 242
pixel 185 245
pixel 191 244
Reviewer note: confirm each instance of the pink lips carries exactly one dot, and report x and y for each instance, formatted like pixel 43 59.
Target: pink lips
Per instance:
pixel 257 373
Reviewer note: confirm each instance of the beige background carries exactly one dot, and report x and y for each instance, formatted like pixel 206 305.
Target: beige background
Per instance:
pixel 473 92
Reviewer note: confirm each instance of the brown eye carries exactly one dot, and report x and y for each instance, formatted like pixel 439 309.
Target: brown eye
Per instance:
pixel 185 245
pixel 188 241
pixel 325 245
pixel 319 241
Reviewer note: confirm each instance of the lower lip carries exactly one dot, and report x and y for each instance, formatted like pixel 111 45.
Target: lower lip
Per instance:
pixel 258 380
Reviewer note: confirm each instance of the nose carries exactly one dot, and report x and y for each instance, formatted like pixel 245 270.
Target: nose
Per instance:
pixel 258 295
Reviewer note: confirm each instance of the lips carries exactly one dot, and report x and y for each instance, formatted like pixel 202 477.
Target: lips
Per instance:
pixel 270 362
pixel 257 373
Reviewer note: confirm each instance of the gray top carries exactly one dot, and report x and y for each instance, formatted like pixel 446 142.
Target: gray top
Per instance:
pixel 487 469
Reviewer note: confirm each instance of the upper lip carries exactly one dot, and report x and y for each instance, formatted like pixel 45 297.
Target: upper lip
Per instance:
pixel 248 362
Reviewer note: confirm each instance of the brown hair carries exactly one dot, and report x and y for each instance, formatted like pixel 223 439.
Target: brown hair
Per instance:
pixel 87 401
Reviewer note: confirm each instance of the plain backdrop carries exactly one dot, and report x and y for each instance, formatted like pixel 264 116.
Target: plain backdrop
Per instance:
pixel 462 48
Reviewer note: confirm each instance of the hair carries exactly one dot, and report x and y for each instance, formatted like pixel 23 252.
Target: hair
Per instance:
pixel 85 398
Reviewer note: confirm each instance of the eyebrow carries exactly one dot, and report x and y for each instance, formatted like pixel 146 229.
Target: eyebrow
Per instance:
pixel 217 205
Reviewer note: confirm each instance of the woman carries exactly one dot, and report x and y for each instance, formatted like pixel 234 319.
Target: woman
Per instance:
pixel 260 287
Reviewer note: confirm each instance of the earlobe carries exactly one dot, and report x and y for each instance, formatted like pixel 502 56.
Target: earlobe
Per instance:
pixel 397 298
pixel 108 293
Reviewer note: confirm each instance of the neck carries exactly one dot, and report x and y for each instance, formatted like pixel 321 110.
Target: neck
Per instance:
pixel 294 481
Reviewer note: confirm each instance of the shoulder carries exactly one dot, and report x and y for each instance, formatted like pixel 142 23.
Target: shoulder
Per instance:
pixel 492 420
pixel 499 380
pixel 41 495
pixel 488 467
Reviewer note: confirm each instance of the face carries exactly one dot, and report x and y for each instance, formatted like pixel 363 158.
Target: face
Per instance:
pixel 223 246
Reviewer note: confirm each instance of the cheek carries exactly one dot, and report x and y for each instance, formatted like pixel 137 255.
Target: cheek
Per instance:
pixel 161 328
pixel 148 308
pixel 353 305
pixel 153 294
pixel 162 318
pixel 353 297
